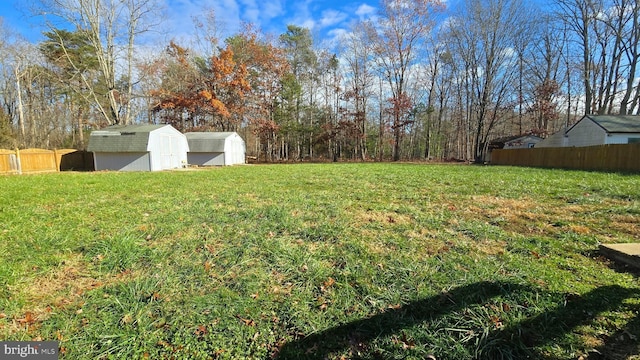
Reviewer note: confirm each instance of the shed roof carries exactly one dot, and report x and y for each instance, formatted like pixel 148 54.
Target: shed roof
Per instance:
pixel 207 141
pixel 615 123
pixel 121 138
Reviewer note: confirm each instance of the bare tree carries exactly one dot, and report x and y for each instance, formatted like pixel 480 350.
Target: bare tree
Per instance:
pixel 396 40
pixel 360 78
pixel 580 16
pixel 104 21
pixel 483 37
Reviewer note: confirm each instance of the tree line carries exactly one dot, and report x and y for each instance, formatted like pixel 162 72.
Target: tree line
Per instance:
pixel 417 81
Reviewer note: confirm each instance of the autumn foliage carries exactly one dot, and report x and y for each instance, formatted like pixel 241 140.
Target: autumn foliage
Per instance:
pixel 202 94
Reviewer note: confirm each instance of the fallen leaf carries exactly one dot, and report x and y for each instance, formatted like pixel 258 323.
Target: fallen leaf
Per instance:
pixel 247 322
pixel 395 307
pixel 28 318
pixel 497 322
pixel 329 283
pixel 201 330
pixel 403 341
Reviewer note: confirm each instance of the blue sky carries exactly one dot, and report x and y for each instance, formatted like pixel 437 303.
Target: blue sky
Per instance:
pixel 326 19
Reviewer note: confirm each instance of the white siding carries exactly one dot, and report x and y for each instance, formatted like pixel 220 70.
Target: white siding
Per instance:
pixel 211 149
pixel 168 149
pixel 234 150
pixel 620 138
pixel 586 133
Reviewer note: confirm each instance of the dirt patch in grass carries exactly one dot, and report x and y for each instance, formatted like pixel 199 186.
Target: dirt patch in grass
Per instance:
pixel 626 224
pixel 384 218
pixel 61 288
pixel 526 215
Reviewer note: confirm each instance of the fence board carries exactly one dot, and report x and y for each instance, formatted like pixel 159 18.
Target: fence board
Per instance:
pixel 37 160
pixel 617 157
pixel 8 162
pixel 42 160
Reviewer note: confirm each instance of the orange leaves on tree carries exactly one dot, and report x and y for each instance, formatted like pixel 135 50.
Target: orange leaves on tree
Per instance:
pixel 197 96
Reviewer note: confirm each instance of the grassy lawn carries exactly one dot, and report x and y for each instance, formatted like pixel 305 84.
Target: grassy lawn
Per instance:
pixel 369 261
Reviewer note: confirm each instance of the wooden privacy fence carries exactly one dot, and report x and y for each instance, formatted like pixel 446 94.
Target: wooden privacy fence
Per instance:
pixel 42 160
pixel 618 157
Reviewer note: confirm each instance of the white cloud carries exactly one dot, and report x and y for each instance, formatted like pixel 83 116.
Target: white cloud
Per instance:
pixel 250 11
pixel 271 9
pixel 365 10
pixel 331 17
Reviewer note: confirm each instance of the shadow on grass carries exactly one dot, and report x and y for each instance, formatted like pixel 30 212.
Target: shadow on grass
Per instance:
pixel 517 341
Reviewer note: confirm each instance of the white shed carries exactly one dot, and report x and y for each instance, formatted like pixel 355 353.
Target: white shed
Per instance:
pixel 594 130
pixel 138 148
pixel 215 148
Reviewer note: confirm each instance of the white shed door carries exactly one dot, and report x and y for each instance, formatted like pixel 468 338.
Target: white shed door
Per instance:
pixel 167 152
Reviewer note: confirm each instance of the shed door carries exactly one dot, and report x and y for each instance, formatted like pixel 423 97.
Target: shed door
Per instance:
pixel 167 152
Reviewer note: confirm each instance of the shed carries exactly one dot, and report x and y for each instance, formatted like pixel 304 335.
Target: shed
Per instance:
pixel 592 130
pixel 215 148
pixel 138 148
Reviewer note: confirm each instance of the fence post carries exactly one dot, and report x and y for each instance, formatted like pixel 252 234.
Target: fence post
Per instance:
pixel 18 162
pixel 55 157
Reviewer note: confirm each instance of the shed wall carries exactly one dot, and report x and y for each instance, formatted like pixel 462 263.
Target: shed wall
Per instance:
pixel 235 150
pixel 206 159
pixel 122 161
pixel 168 148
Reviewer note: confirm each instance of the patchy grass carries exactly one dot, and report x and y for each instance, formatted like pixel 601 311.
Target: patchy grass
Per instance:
pixel 373 261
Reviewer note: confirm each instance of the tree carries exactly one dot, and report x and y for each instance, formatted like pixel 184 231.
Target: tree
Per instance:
pixel 359 80
pixel 266 66
pixel 483 38
pixel 75 68
pixel 103 21
pixel 298 47
pixel 198 94
pixel 396 39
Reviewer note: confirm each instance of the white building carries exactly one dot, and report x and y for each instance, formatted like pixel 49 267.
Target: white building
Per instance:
pixel 138 148
pixel 594 130
pixel 215 148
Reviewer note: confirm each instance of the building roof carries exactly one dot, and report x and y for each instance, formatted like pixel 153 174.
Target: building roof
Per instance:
pixel 207 141
pixel 616 123
pixel 121 138
pixel 499 143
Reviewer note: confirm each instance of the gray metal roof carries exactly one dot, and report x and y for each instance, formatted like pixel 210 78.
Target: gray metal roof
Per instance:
pixel 617 123
pixel 121 138
pixel 207 141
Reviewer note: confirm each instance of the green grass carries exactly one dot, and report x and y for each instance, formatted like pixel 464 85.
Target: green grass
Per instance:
pixel 369 261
